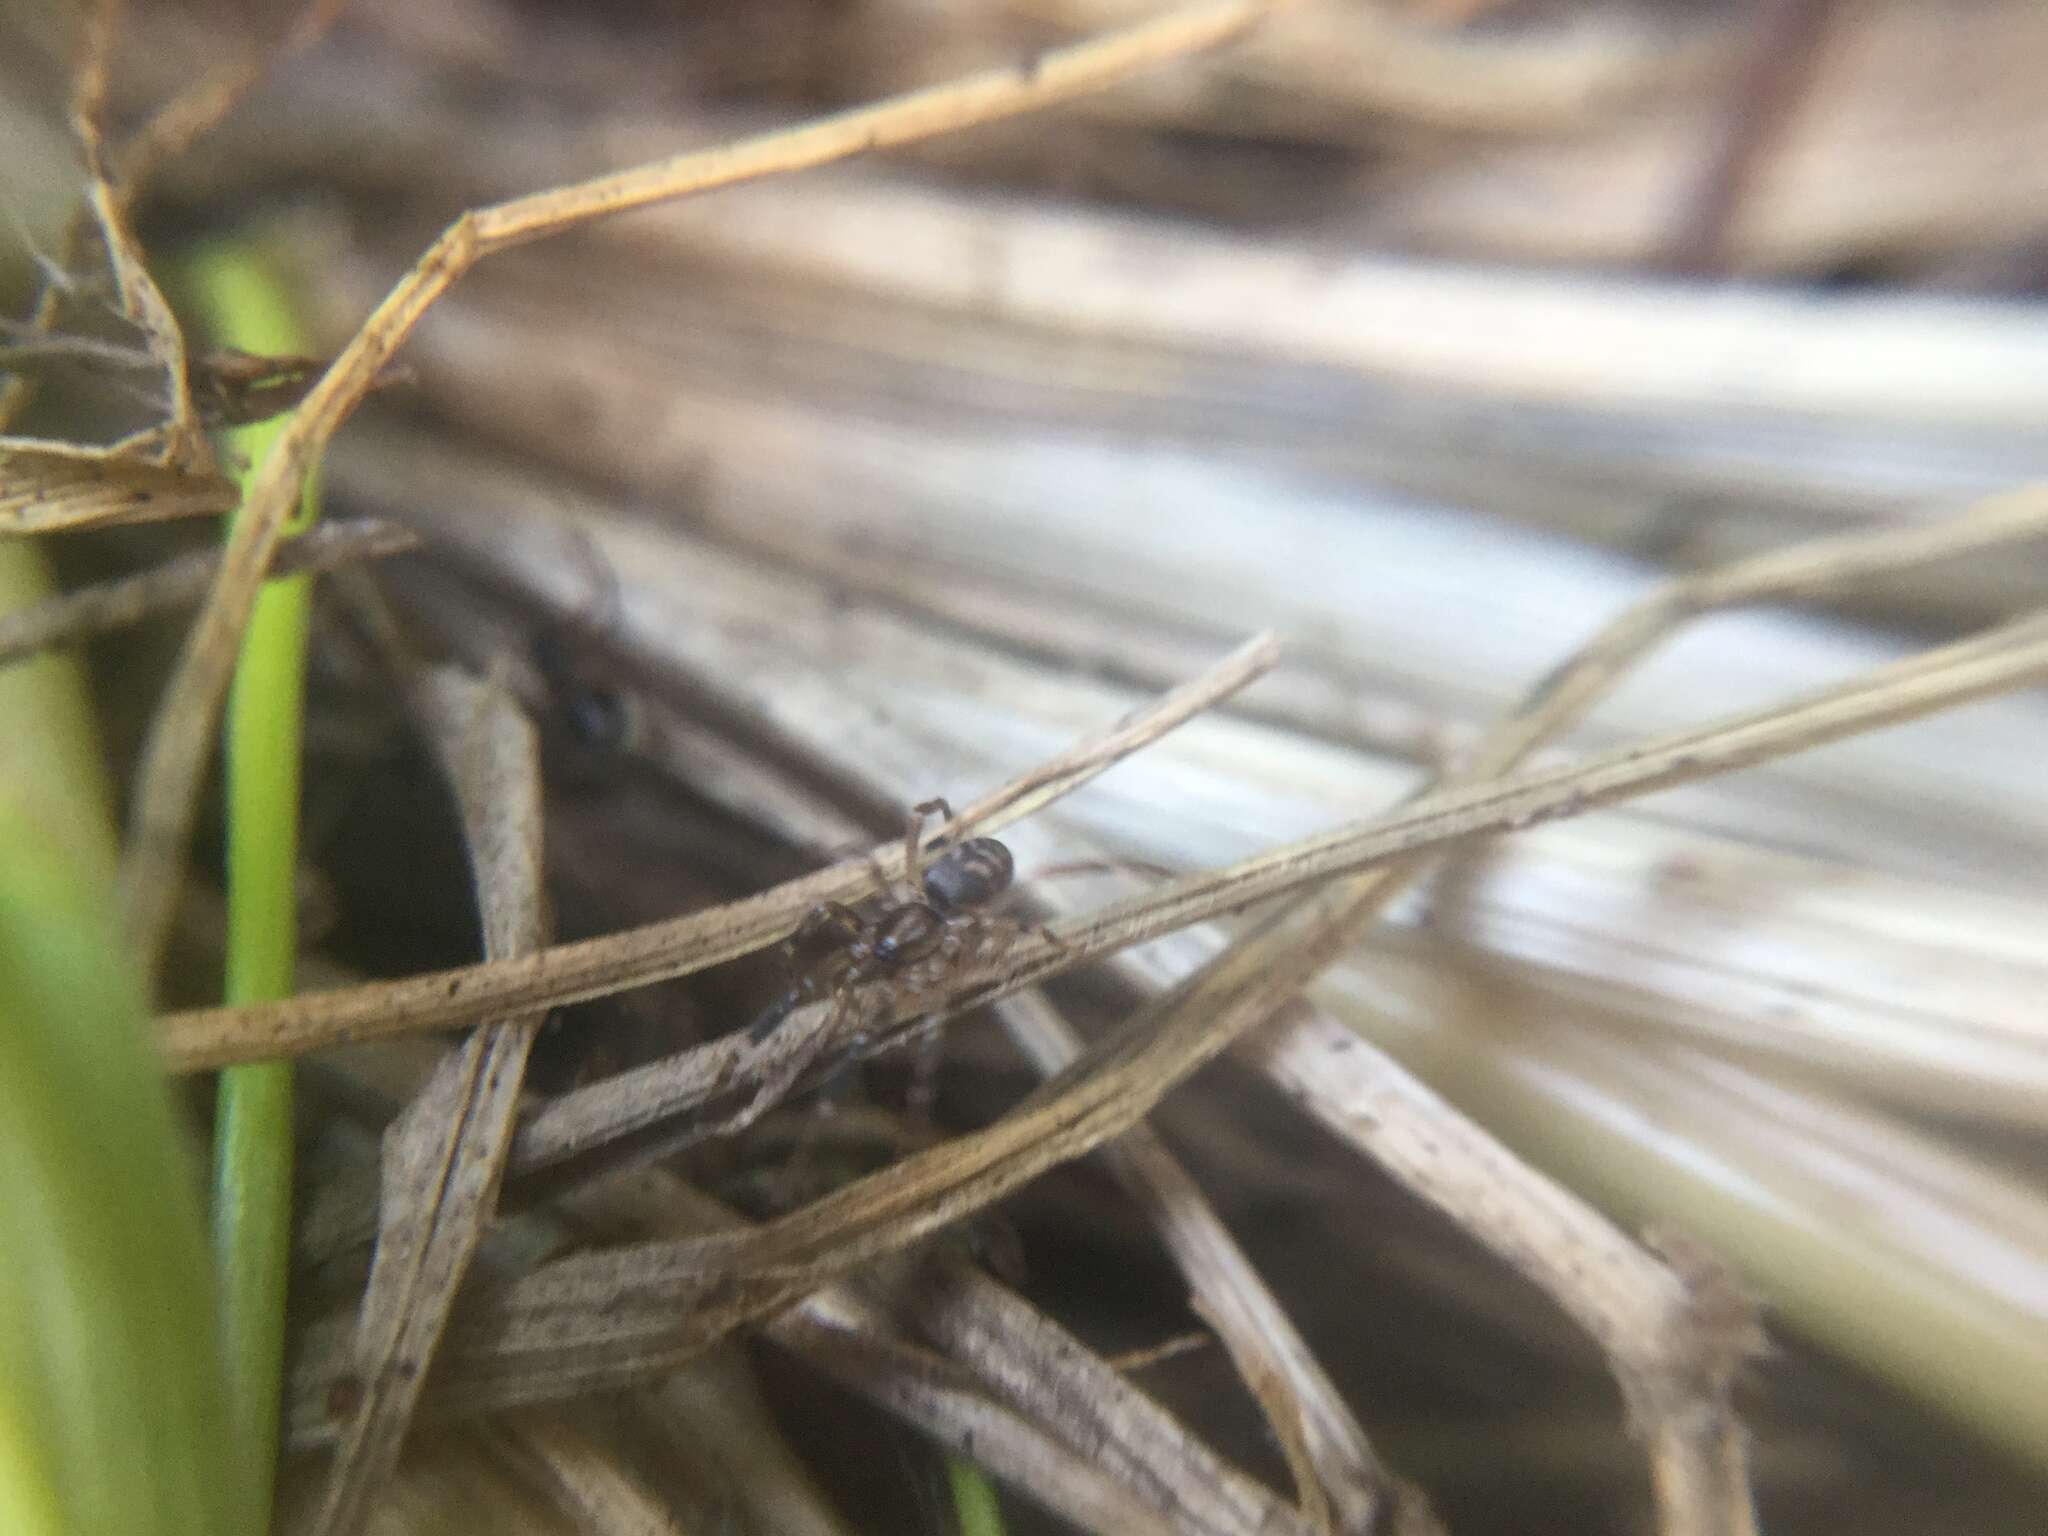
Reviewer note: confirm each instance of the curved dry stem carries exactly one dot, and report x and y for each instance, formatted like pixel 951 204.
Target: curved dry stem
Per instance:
pixel 685 944
pixel 71 617
pixel 2000 659
pixel 175 753
pixel 1671 1346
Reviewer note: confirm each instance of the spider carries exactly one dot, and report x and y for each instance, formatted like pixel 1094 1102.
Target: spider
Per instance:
pixel 908 939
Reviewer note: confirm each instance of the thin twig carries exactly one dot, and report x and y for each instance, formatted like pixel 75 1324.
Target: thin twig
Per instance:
pixel 1999 659
pixel 1697 1448
pixel 175 753
pixel 1299 1399
pixel 659 1303
pixel 681 945
pixel 173 128
pixel 76 616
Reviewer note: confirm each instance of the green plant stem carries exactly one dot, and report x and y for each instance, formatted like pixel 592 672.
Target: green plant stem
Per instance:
pixel 974 1499
pixel 252 1168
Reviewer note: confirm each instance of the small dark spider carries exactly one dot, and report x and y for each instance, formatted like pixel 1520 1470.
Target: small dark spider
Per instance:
pixel 572 655
pixel 909 937
pixel 838 947
pixel 594 715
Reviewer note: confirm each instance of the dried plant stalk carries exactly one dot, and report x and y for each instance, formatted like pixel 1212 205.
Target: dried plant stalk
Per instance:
pixel 74 616
pixel 685 944
pixel 723 1282
pixel 175 753
pixel 443 1157
pixel 1678 1378
pixel 634 1114
pixel 2002 658
pixel 1034 1366
pixel 1300 1400
pixel 583 1479
pixel 1012 1389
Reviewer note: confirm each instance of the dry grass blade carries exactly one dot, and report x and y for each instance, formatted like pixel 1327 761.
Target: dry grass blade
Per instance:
pixel 1088 759
pixel 579 1338
pixel 726 1281
pixel 184 118
pixel 2003 658
pixel 45 487
pixel 853 1335
pixel 713 1419
pixel 582 1479
pixel 1288 1421
pixel 142 302
pixel 661 1303
pixel 846 1337
pixel 175 753
pixel 1640 1313
pixel 111 191
pixel 2007 657
pixel 444 1156
pixel 75 616
pixel 211 1037
pixel 1036 1367
pixel 1301 1402
pixel 647 1112
pixel 1675 1368
pixel 1012 1389
pixel 1814 569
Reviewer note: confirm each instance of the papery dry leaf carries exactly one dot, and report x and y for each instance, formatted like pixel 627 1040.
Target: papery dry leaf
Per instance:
pixel 46 486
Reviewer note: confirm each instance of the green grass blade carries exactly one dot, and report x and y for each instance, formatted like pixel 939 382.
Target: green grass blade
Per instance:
pixel 246 307
pixel 111 1406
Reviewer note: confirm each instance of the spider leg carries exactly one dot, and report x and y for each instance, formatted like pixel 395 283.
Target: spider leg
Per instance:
pixel 785 1067
pixel 913 841
pixel 921 1097
pixel 769 1019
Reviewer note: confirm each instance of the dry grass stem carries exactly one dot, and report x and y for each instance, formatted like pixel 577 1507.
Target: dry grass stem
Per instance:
pixel 443 1157
pixel 1288 1422
pixel 1999 659
pixel 142 302
pixel 1680 1400
pixel 45 485
pixel 681 945
pixel 1302 1404
pixel 182 120
pixel 1006 1385
pixel 713 1419
pixel 1672 1373
pixel 846 1337
pixel 651 1111
pixel 581 1478
pixel 790 662
pixel 175 753
pixel 79 615
pixel 725 1281
pixel 1041 1371
pixel 1634 1307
